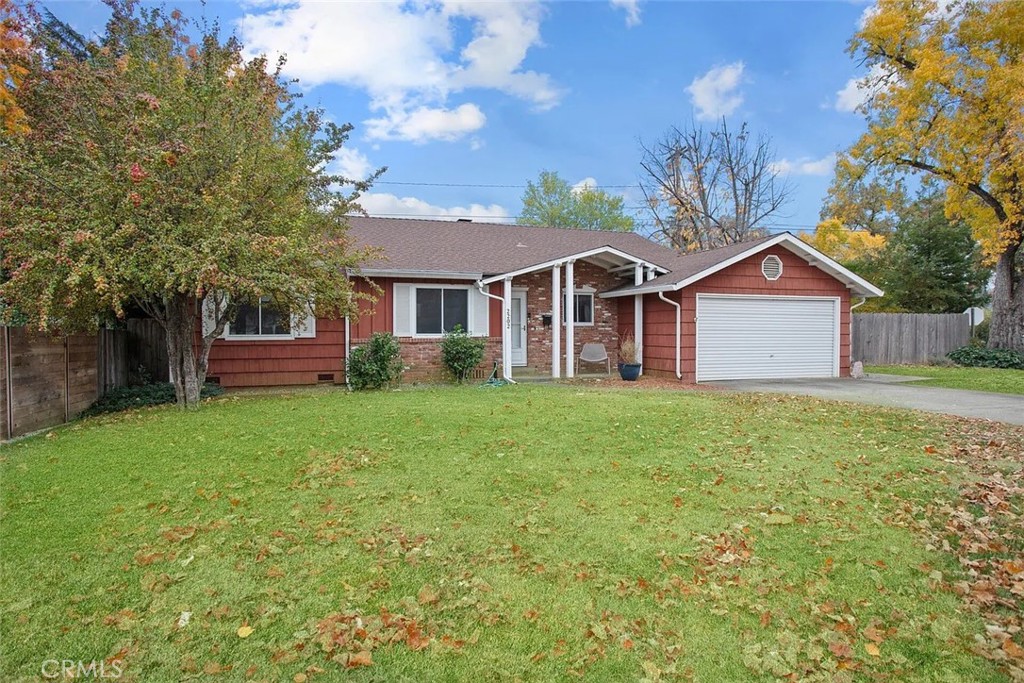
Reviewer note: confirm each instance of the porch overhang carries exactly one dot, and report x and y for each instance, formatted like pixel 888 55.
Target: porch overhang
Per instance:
pixel 607 257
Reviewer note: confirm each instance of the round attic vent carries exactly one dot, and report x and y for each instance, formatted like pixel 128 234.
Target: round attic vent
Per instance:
pixel 771 267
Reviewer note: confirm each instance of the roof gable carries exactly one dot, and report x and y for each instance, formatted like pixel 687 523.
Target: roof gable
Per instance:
pixel 691 268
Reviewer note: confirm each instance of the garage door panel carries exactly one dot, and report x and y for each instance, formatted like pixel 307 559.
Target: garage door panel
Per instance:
pixel 765 337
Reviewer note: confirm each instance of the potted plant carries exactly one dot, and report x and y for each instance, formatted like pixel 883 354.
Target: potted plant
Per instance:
pixel 630 359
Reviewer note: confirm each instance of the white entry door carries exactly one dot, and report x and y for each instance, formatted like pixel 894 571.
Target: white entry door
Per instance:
pixel 518 330
pixel 766 337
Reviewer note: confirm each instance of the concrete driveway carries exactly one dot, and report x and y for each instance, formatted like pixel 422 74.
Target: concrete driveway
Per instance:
pixel 893 391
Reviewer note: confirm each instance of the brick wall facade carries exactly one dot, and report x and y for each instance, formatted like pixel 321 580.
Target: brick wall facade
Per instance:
pixel 538 302
pixel 422 359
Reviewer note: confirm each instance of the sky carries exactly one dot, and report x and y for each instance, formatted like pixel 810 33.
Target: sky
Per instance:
pixel 464 102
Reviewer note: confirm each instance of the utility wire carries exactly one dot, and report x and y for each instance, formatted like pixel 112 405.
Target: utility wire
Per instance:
pixel 491 185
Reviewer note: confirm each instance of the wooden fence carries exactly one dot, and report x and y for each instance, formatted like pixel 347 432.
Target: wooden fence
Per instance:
pixel 45 380
pixel 906 338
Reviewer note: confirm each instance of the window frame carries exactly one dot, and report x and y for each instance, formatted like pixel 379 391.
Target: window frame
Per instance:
pixel 229 335
pixel 577 292
pixel 415 288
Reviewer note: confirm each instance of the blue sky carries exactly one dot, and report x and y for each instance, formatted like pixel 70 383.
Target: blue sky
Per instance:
pixel 452 96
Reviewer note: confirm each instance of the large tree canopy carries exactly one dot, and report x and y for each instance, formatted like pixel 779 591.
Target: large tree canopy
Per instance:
pixel 946 99
pixel 173 176
pixel 551 201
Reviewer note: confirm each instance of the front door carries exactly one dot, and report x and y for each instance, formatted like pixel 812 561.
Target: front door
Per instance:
pixel 518 329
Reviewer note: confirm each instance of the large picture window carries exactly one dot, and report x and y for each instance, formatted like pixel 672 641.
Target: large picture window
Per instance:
pixel 439 310
pixel 260 319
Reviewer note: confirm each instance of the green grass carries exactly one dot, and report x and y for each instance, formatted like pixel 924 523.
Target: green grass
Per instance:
pixel 533 533
pixel 1002 381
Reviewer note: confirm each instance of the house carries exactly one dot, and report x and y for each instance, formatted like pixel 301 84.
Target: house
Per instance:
pixel 768 308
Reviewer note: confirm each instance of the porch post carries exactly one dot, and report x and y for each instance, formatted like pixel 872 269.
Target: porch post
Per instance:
pixel 638 311
pixel 556 321
pixel 570 321
pixel 506 330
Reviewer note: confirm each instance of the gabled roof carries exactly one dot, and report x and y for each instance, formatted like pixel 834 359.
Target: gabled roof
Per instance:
pixel 485 251
pixel 689 268
pixel 458 248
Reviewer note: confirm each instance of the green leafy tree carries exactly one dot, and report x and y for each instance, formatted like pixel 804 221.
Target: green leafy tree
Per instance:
pixel 552 202
pixel 174 176
pixel 932 264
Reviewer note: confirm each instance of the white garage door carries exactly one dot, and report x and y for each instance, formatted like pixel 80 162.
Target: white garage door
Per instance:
pixel 749 337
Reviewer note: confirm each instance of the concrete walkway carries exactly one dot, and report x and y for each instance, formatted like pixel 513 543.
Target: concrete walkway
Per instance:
pixel 893 391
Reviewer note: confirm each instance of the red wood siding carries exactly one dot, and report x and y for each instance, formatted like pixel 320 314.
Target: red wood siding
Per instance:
pixel 798 279
pixel 281 362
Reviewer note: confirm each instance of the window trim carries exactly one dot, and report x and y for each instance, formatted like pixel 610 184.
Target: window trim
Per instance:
pixel 260 337
pixel 581 291
pixel 412 308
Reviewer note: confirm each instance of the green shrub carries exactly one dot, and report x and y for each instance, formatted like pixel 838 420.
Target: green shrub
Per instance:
pixel 376 364
pixel 460 353
pixel 153 394
pixel 975 357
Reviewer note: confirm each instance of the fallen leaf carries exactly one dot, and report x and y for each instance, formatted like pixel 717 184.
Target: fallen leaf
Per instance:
pixel 244 631
pixel 361 658
pixel 872 650
pixel 1012 649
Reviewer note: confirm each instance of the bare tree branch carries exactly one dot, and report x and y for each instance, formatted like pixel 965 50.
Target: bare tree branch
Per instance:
pixel 706 189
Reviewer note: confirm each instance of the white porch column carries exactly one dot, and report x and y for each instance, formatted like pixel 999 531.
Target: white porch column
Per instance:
pixel 638 311
pixel 556 322
pixel 506 329
pixel 570 321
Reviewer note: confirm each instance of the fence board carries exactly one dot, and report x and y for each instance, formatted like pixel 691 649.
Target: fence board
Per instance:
pixel 907 338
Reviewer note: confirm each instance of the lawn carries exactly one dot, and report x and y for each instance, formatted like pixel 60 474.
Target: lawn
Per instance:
pixel 1001 381
pixel 521 533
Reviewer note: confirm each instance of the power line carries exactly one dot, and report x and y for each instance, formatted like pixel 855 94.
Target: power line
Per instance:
pixel 490 185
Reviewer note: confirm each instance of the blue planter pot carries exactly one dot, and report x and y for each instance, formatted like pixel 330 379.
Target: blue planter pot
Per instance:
pixel 629 371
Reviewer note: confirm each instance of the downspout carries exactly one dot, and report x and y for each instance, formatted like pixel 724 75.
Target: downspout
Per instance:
pixel 348 350
pixel 480 288
pixel 679 341
pixel 863 300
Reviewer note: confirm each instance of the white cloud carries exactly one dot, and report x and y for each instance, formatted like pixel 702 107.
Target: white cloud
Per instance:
pixel 715 93
pixel 632 8
pixel 585 184
pixel 351 163
pixel 406 55
pixel 384 204
pixel 806 166
pixel 858 91
pixel 426 123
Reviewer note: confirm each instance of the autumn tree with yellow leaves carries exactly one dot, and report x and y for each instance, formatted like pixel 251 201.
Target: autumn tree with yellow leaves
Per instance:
pixel 13 54
pixel 945 89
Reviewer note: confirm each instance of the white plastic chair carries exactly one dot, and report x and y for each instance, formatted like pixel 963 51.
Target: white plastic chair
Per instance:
pixel 594 353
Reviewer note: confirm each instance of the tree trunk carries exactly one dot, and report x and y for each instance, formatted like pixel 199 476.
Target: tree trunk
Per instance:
pixel 1007 330
pixel 181 323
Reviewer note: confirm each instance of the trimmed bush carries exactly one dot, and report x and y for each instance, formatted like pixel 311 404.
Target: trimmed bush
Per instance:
pixel 153 394
pixel 976 357
pixel 376 364
pixel 460 353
